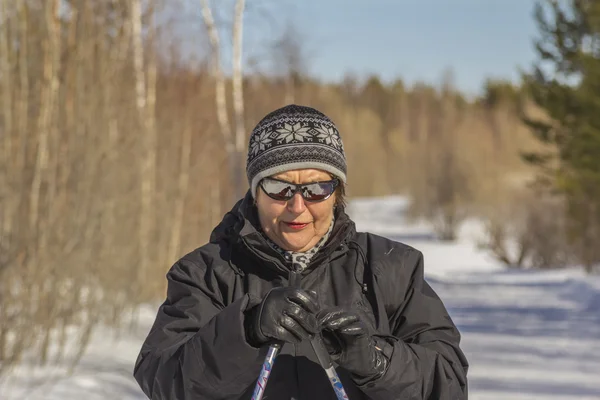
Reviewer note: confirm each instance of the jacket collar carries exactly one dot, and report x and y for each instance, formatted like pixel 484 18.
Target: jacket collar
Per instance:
pixel 241 228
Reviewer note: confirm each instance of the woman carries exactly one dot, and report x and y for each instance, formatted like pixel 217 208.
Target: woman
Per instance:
pixel 286 264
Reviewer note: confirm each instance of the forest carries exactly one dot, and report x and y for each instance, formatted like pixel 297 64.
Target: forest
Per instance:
pixel 120 153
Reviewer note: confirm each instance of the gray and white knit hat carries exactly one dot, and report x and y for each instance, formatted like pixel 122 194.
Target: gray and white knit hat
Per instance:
pixel 294 137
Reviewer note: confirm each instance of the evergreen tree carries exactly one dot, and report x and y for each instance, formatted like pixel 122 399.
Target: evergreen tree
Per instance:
pixel 565 84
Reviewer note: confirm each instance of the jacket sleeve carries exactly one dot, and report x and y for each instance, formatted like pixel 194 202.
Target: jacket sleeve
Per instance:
pixel 425 360
pixel 197 348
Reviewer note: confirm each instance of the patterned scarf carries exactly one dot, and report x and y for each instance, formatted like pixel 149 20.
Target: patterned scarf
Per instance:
pixel 302 259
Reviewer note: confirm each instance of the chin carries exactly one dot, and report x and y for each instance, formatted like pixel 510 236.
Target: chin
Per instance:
pixel 294 244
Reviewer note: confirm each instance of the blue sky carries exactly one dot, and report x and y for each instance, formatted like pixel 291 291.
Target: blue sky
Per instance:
pixel 415 40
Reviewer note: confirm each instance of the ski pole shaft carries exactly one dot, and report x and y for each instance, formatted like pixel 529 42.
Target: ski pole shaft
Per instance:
pixel 325 361
pixel 336 384
pixel 261 383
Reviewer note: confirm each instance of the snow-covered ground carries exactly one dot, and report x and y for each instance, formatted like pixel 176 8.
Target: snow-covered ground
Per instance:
pixel 527 335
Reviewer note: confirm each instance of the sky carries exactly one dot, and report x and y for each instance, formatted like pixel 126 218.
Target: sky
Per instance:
pixel 415 40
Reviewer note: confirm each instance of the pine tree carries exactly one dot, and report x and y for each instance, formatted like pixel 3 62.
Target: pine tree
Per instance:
pixel 565 84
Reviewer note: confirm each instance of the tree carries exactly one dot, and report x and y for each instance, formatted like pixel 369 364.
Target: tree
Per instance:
pixel 233 137
pixel 290 61
pixel 444 185
pixel 565 84
pixel 69 167
pixel 145 93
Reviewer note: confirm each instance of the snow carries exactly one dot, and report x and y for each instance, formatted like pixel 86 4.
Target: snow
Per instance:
pixel 527 334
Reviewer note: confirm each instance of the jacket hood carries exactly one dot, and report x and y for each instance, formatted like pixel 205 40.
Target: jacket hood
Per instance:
pixel 241 227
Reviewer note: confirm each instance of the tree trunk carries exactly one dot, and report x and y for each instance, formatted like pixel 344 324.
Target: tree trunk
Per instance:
pixel 238 102
pixel 183 184
pixel 6 66
pixel 232 144
pixel 145 101
pixel 44 129
pixel 23 102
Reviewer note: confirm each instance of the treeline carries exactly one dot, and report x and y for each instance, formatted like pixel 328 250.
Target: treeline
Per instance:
pixel 114 161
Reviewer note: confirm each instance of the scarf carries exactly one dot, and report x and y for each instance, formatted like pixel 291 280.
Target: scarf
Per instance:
pixel 301 259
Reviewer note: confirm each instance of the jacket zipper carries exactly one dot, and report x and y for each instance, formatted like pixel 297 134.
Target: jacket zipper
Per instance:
pixel 294 275
pixel 294 278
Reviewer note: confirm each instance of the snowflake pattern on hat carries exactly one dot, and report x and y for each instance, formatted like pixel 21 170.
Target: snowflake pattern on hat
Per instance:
pixel 294 137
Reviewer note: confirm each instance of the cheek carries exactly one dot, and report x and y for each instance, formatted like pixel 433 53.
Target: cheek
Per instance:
pixel 322 216
pixel 268 216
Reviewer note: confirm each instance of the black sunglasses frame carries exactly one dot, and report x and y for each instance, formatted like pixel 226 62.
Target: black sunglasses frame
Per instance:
pixel 300 188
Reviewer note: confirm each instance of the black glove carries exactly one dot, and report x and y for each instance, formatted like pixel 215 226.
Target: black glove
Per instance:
pixel 350 344
pixel 286 314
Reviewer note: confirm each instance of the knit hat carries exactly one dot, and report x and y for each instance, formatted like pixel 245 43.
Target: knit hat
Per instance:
pixel 294 137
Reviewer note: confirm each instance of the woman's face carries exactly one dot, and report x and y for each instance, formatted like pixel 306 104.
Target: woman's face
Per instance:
pixel 296 224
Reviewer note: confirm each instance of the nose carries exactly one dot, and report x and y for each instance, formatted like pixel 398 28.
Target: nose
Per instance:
pixel 296 204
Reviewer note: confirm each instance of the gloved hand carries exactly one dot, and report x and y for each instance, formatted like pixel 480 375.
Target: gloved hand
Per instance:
pixel 350 344
pixel 286 314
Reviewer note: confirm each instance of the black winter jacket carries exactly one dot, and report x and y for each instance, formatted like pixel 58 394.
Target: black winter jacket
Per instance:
pixel 197 349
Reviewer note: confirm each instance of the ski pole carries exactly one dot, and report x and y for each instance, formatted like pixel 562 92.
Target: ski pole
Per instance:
pixel 265 372
pixel 325 361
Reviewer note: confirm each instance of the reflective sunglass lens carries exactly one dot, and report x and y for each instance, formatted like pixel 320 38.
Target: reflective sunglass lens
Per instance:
pixel 284 191
pixel 277 190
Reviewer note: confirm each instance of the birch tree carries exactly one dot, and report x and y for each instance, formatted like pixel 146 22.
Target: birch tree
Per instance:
pixel 233 139
pixel 6 68
pixel 145 87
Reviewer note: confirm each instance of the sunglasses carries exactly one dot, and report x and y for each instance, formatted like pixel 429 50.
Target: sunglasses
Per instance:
pixel 283 191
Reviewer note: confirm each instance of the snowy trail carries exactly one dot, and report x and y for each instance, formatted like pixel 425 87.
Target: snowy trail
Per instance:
pixel 528 340
pixel 527 335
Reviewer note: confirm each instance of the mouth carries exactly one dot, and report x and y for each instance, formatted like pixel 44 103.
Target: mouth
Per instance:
pixel 296 225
